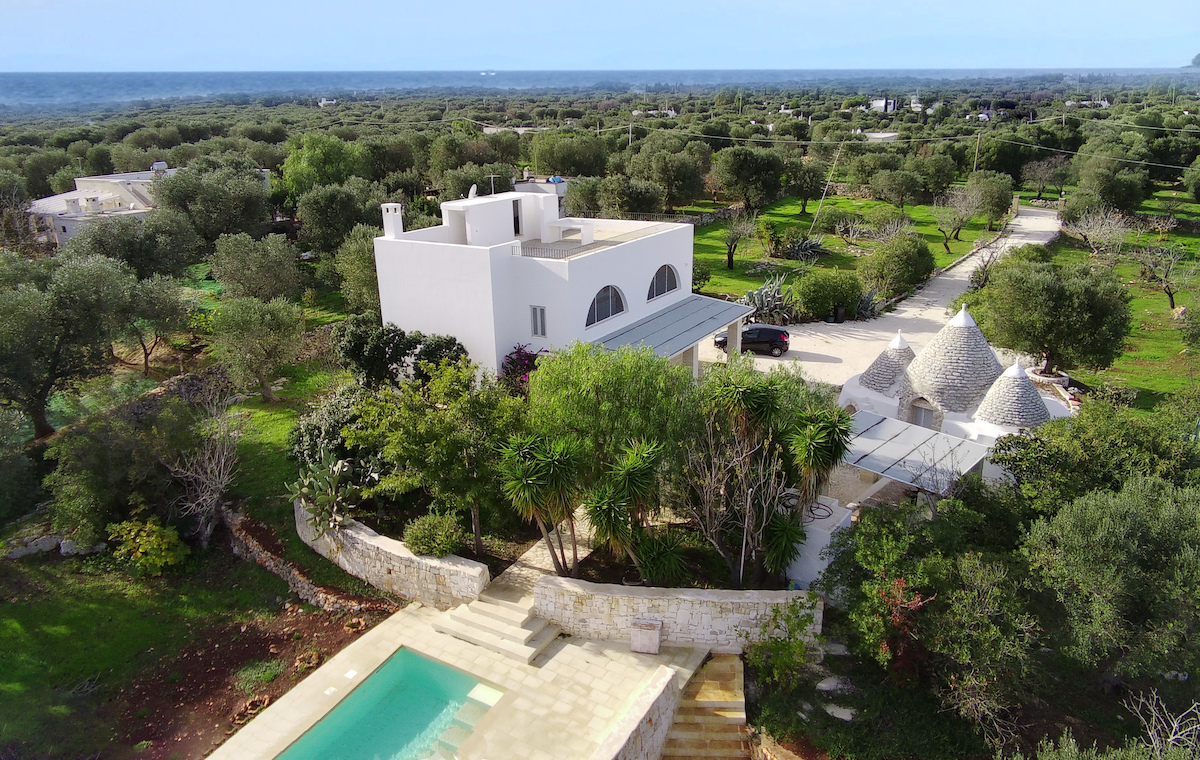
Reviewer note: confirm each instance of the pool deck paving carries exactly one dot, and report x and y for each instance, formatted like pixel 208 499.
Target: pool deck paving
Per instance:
pixel 562 706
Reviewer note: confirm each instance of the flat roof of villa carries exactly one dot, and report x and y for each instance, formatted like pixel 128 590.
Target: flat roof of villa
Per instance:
pixel 910 454
pixel 678 327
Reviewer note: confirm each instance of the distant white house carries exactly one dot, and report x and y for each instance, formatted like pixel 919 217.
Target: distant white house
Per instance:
pixel 878 136
pixel 105 195
pixel 882 105
pixel 506 270
pixel 96 197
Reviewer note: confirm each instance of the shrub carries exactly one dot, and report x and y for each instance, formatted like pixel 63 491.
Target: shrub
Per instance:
pixel 701 274
pixel 831 219
pixel 147 546
pixel 901 263
pixel 881 217
pixel 819 291
pixel 435 534
pixel 516 368
pixel 1079 203
pixel 319 431
pixel 327 491
pixel 19 490
pixel 782 650
pixel 662 558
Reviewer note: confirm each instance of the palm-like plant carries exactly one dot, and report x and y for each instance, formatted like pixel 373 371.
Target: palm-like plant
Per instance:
pixel 618 506
pixel 541 479
pixel 819 440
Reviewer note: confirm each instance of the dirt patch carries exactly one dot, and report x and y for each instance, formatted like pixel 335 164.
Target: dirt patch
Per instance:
pixel 190 702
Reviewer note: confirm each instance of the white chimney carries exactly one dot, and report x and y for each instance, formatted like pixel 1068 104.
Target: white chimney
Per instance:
pixel 393 220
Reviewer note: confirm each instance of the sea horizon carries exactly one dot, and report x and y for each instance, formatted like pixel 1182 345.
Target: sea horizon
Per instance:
pixel 34 90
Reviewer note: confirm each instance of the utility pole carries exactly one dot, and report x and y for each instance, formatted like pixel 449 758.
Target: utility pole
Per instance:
pixel 631 132
pixel 492 177
pixel 977 142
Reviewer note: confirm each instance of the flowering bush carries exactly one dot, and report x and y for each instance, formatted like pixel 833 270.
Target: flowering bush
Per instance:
pixel 516 368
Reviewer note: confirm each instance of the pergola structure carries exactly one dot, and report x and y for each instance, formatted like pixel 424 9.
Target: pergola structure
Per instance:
pixel 911 454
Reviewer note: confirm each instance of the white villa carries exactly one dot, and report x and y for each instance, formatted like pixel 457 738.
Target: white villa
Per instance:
pixel 955 385
pixel 506 270
pixel 96 197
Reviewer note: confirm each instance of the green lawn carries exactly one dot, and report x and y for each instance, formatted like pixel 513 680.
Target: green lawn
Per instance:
pixel 73 632
pixel 1154 361
pixel 752 266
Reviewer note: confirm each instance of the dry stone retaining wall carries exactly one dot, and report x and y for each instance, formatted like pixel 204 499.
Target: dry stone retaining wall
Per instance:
pixel 387 564
pixel 712 618
pixel 641 733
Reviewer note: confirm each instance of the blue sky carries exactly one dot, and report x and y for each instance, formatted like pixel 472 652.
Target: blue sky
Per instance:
pixel 394 35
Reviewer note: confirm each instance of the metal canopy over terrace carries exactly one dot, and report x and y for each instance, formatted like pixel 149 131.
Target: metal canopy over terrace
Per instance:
pixel 677 328
pixel 911 454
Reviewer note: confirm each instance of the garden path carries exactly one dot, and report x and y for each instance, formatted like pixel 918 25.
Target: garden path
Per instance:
pixel 834 353
pixel 533 564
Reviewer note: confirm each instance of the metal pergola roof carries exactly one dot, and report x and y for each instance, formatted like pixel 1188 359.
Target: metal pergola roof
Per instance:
pixel 911 454
pixel 677 327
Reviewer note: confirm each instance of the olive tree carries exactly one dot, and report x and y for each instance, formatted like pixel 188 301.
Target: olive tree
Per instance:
pixel 995 194
pixel 58 329
pixel 262 269
pixel 254 339
pixel 219 196
pixel 355 264
pixel 1077 316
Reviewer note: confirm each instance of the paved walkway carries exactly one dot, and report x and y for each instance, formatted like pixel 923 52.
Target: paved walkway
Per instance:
pixel 835 353
pixel 533 564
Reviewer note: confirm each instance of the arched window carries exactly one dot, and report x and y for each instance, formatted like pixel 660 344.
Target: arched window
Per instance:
pixel 664 282
pixel 607 303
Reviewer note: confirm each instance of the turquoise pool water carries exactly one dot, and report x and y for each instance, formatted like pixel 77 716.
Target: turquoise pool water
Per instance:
pixel 396 713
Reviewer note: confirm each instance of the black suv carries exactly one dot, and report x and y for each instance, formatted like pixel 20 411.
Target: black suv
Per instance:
pixel 761 339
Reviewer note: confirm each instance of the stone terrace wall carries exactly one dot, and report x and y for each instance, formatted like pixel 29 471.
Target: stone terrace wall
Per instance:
pixel 641 733
pixel 386 563
pixel 712 618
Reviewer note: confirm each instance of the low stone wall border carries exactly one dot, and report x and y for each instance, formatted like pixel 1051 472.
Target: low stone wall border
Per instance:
pixel 641 733
pixel 719 619
pixel 387 564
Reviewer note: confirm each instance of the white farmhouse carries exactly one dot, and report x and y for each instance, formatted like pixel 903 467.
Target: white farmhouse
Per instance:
pixel 505 270
pixel 95 197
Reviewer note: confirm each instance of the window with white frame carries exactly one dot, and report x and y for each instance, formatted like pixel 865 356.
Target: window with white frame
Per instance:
pixel 665 280
pixel 607 303
pixel 537 321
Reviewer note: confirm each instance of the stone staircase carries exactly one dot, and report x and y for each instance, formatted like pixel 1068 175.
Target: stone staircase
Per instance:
pixel 711 720
pixel 501 620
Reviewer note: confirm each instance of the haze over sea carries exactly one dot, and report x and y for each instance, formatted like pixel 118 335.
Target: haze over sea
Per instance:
pixel 58 90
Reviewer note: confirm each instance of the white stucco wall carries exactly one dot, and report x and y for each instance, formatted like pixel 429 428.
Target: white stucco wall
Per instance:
pixel 433 281
pixel 707 617
pixel 387 564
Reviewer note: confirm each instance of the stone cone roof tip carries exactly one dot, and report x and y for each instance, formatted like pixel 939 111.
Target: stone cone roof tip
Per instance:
pixel 888 365
pixel 1013 401
pixel 956 368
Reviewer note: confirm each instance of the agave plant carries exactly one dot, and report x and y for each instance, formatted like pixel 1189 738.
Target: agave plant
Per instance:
pixel 868 305
pixel 772 302
pixel 806 248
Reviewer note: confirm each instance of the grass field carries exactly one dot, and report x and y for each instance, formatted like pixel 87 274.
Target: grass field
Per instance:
pixel 73 631
pixel 1155 361
pixel 752 266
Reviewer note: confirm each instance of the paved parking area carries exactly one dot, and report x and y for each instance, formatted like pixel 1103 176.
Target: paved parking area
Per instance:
pixel 834 353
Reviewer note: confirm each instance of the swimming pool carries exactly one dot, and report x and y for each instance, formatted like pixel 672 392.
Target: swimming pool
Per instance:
pixel 409 705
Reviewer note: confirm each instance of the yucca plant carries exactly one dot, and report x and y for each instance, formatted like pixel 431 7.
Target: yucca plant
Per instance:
pixel 819 440
pixel 619 505
pixel 541 479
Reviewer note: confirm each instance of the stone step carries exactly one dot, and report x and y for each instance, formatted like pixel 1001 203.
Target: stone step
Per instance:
pixel 737 731
pixel 469 714
pixel 452 738
pixel 505 615
pixel 488 640
pixel 511 597
pixel 709 715
pixel 714 698
pixel 521 634
pixel 712 748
